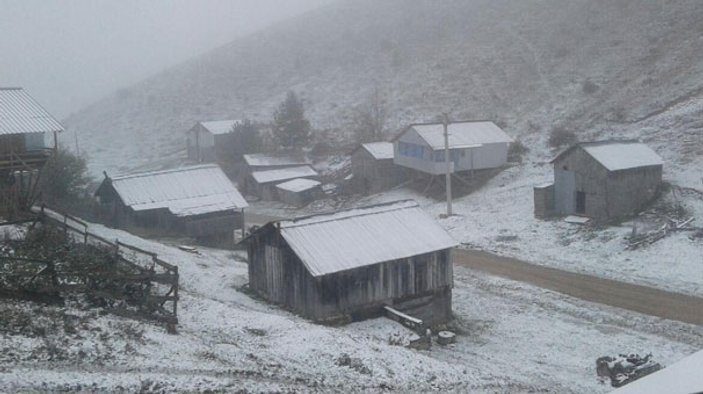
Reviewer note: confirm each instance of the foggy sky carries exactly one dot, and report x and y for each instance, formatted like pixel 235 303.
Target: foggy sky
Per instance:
pixel 69 53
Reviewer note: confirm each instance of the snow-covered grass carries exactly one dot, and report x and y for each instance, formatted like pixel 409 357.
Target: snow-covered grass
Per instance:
pixel 512 338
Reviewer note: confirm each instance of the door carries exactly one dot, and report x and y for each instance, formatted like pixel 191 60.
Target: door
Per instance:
pixel 581 202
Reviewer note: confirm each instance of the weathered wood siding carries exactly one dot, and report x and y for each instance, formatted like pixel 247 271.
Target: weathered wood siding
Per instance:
pixel 608 194
pixel 372 175
pixel 276 273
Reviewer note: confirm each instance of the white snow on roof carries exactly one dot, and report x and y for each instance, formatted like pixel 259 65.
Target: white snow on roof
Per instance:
pixel 379 150
pixel 364 236
pixel 21 114
pixel 622 155
pixel 185 191
pixel 298 185
pixel 682 377
pixel 462 134
pixel 283 174
pixel 261 159
pixel 219 126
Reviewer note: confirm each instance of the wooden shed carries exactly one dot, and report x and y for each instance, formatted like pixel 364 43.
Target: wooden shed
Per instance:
pixel 299 192
pixel 196 201
pixel 473 145
pixel 602 180
pixel 27 140
pixel 349 264
pixel 210 141
pixel 373 168
pixel 263 183
pixel 254 162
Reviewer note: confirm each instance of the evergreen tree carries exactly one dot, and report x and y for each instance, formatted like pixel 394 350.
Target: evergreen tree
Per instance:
pixel 290 128
pixel 249 136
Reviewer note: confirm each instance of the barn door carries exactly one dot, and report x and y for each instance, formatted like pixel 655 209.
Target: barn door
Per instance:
pixel 580 202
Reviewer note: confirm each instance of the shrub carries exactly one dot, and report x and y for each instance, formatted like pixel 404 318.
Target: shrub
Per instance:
pixel 561 136
pixel 516 150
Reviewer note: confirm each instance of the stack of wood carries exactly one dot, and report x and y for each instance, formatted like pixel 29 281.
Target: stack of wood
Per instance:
pixel 667 228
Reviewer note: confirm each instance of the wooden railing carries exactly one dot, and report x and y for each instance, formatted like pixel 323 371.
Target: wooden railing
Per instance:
pixel 157 279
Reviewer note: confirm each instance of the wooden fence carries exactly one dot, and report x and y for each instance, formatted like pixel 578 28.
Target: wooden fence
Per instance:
pixel 151 283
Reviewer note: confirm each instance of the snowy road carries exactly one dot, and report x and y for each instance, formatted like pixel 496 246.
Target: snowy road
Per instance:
pixel 642 299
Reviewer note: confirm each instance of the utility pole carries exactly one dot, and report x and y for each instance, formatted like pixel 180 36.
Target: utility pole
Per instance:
pixel 447 174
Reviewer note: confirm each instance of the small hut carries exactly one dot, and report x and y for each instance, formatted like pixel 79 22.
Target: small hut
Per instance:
pixel 602 180
pixel 255 162
pixel 263 183
pixel 299 192
pixel 350 264
pixel 197 201
pixel 373 167
pixel 210 141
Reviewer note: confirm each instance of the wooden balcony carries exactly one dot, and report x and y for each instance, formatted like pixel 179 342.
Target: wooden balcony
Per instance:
pixel 24 161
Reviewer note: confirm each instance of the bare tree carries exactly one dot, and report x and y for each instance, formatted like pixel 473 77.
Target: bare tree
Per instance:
pixel 370 119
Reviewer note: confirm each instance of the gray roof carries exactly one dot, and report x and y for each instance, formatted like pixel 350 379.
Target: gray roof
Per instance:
pixel 464 134
pixel 263 160
pixel 619 155
pixel 298 185
pixel 360 237
pixel 21 114
pixel 283 174
pixel 184 191
pixel 379 150
pixel 218 127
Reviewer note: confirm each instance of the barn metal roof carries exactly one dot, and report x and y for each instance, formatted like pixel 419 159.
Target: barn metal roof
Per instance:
pixel 465 134
pixel 21 114
pixel 379 150
pixel 298 185
pixel 218 127
pixel 184 191
pixel 262 160
pixel 618 155
pixel 283 174
pixel 363 236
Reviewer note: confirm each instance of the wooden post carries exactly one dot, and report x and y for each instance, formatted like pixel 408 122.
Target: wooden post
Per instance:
pixel 447 174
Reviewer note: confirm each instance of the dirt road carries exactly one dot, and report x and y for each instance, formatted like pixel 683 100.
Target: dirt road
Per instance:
pixel 643 299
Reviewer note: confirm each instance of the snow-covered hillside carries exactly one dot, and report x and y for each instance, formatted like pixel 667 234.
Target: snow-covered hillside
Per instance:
pixel 229 342
pixel 586 65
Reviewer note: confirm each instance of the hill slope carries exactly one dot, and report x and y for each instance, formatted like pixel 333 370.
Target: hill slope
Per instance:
pixel 533 65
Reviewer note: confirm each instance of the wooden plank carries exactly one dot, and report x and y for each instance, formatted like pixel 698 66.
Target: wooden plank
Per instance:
pixel 402 316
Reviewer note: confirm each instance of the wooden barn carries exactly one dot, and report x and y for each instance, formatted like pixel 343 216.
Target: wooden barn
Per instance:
pixel 210 141
pixel 373 168
pixel 473 145
pixel 263 183
pixel 197 201
pixel 602 180
pixel 254 162
pixel 28 136
pixel 350 264
pixel 299 192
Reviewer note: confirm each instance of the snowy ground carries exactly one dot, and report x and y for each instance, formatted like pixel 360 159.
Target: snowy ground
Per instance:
pixel 512 338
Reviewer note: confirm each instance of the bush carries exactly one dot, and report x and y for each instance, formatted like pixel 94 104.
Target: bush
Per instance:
pixel 561 136
pixel 516 150
pixel 64 179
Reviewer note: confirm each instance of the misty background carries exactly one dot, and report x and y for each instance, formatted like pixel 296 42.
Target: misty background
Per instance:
pixel 70 53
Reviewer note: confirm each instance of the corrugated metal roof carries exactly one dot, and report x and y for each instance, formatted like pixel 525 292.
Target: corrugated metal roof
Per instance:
pixel 622 155
pixel 220 126
pixel 681 377
pixel 364 236
pixel 379 150
pixel 462 134
pixel 184 191
pixel 21 114
pixel 262 160
pixel 283 174
pixel 298 185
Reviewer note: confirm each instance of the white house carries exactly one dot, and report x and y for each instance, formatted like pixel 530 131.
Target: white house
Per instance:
pixel 206 140
pixel 473 145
